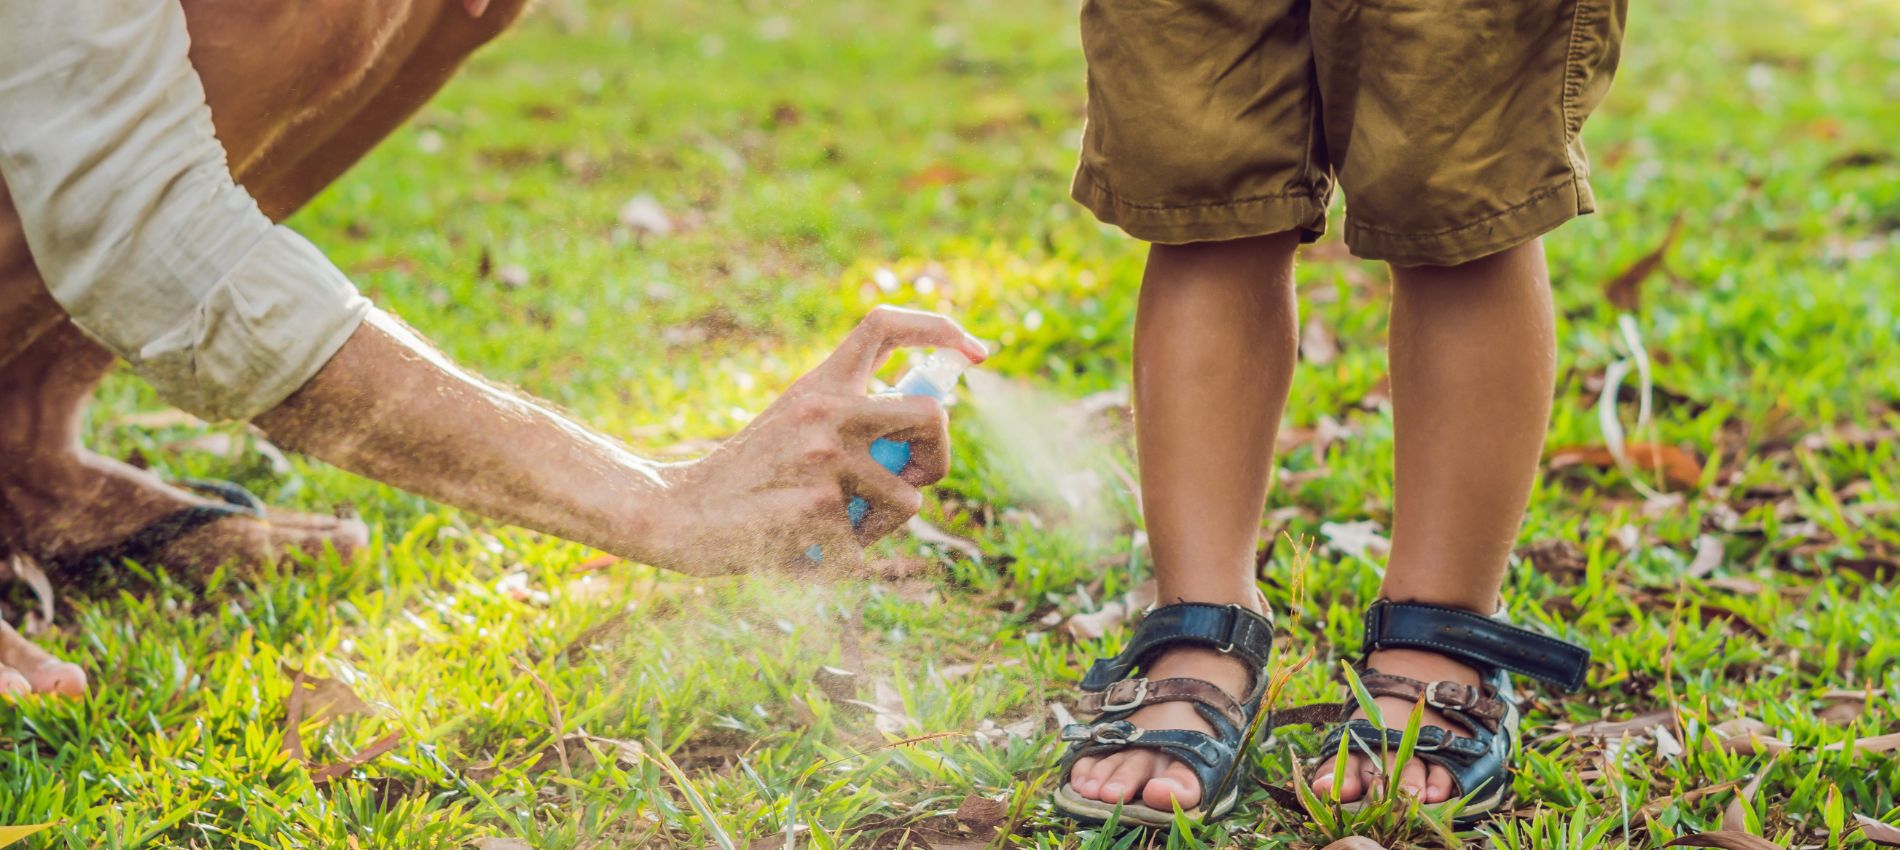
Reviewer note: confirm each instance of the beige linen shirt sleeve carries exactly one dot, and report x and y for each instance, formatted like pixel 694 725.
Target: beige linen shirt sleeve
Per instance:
pixel 134 221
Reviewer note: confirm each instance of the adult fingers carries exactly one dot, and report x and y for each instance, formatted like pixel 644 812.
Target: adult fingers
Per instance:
pixel 886 329
pixel 919 421
pixel 892 500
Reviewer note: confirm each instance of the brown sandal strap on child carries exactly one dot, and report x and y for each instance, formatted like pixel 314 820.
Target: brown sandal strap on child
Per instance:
pixel 1135 693
pixel 1454 699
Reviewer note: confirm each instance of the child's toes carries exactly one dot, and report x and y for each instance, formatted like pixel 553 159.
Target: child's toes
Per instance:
pixel 1129 777
pixel 1082 775
pixel 1176 784
pixel 1412 780
pixel 1438 787
pixel 1349 789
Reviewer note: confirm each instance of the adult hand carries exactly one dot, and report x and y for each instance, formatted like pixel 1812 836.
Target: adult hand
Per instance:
pixel 764 497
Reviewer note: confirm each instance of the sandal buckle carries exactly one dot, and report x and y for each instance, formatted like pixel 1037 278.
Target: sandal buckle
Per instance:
pixel 1114 734
pixel 1111 703
pixel 1435 700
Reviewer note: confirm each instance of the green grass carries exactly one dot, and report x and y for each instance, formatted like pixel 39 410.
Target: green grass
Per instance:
pixel 805 147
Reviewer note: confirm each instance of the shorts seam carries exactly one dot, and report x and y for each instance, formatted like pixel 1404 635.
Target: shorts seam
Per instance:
pixel 1570 89
pixel 1536 198
pixel 1224 202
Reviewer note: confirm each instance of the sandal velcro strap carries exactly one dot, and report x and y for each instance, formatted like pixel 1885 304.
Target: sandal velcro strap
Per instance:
pixel 1459 701
pixel 1228 628
pixel 1484 641
pixel 1134 693
pixel 1434 743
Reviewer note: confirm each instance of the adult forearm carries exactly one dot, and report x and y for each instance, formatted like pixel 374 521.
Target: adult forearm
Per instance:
pixel 389 407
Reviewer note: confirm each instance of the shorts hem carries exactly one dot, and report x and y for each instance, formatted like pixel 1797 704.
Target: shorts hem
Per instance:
pixel 1546 210
pixel 1211 222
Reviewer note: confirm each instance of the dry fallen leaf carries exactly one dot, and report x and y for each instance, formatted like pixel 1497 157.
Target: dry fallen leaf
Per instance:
pixel 1734 817
pixel 934 175
pixel 982 815
pixel 325 699
pixel 1093 626
pixel 1362 539
pixel 324 773
pixel 1876 744
pixel 1678 467
pixel 1625 290
pixel 1883 834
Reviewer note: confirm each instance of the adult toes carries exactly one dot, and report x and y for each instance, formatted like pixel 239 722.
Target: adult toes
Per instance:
pixel 1438 786
pixel 12 684
pixel 62 678
pixel 1175 785
pixel 1129 777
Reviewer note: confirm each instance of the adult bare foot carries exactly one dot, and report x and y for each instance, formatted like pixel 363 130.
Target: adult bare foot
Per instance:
pixel 1157 779
pixel 1429 783
pixel 62 505
pixel 28 669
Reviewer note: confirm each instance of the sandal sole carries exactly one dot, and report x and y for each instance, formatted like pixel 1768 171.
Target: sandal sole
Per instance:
pixel 1095 812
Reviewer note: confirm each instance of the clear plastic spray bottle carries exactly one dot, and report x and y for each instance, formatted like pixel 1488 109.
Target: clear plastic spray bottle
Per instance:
pixel 936 376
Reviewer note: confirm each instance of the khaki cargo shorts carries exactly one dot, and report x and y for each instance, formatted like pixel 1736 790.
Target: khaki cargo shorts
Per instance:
pixel 1451 125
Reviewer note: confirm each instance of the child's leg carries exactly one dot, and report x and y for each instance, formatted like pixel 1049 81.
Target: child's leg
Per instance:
pixel 1215 341
pixel 1472 351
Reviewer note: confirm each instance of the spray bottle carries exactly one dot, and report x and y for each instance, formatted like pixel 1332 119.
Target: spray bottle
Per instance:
pixel 936 376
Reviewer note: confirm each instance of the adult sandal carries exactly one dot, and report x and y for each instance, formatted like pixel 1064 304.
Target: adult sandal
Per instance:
pixel 1480 765
pixel 143 544
pixel 1112 697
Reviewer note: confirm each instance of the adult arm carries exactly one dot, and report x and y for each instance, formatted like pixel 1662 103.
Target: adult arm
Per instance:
pixel 389 407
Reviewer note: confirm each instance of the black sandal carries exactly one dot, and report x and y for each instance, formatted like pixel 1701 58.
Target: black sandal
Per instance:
pixel 1480 765
pixel 1215 759
pixel 142 544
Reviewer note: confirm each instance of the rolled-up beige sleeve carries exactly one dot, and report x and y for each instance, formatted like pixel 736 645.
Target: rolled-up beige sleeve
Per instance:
pixel 134 221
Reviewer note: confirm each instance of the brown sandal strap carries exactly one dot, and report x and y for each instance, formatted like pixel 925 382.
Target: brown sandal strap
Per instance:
pixel 1135 693
pixel 1452 698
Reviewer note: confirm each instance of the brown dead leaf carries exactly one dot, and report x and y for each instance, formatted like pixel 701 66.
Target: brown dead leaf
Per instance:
pixel 982 815
pixel 1734 818
pixel 1638 725
pixel 1883 834
pixel 836 683
pixel 935 175
pixel 1678 467
pixel 1725 840
pixel 1844 707
pixel 328 772
pixel 1876 744
pixel 324 699
pixel 1624 291
pixel 1656 806
pixel 1559 559
pixel 1092 626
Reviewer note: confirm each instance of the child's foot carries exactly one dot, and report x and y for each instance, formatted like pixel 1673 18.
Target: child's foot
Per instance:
pixel 1430 783
pixel 1153 778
